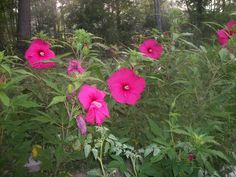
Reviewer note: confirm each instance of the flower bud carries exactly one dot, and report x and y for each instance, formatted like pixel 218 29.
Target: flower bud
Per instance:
pixel 81 125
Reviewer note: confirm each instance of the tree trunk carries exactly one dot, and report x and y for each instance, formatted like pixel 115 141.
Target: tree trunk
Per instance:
pixel 157 6
pixel 118 18
pixel 23 23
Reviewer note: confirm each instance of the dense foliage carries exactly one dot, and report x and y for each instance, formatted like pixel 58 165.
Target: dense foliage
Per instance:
pixel 182 125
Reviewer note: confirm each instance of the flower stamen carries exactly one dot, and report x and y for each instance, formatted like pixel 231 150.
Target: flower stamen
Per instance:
pixel 41 53
pixel 97 104
pixel 150 50
pixel 126 87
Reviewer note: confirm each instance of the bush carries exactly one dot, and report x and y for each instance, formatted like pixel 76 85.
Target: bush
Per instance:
pixel 181 125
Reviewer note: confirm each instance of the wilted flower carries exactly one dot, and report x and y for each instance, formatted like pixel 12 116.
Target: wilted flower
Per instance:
pixel 125 86
pixel 75 67
pixel 92 100
pixel 33 165
pixel 223 37
pixel 230 25
pixel 151 48
pixel 38 52
pixel 81 125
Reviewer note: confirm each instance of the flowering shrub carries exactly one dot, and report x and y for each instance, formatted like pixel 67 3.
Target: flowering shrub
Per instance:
pixel 224 35
pixel 164 111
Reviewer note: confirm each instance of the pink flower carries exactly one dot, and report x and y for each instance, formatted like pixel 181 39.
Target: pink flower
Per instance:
pixel 81 125
pixel 126 87
pixel 92 100
pixel 38 52
pixel 151 48
pixel 231 25
pixel 223 37
pixel 75 67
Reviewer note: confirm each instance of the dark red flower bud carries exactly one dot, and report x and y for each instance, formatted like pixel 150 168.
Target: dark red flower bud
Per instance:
pixel 191 157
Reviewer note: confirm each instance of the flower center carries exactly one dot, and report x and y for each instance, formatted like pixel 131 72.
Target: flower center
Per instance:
pixel 97 104
pixel 126 87
pixel 75 67
pixel 41 53
pixel 150 50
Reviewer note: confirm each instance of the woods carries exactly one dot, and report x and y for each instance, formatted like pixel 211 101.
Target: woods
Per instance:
pixel 113 20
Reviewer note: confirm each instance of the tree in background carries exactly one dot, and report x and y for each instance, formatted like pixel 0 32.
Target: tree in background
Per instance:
pixel 24 23
pixel 44 17
pixel 114 20
pixel 157 6
pixel 8 13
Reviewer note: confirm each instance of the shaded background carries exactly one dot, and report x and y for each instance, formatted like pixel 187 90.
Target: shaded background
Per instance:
pixel 114 20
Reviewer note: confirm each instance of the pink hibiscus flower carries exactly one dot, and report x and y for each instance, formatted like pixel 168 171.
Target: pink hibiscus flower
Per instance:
pixel 92 100
pixel 126 87
pixel 38 52
pixel 81 125
pixel 223 37
pixel 75 67
pixel 231 25
pixel 151 48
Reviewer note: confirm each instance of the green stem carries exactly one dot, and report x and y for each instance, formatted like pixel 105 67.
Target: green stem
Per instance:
pixel 134 167
pixel 102 167
pixel 100 159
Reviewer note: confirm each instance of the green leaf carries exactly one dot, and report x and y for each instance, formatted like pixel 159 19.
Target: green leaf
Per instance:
pixel 87 150
pixel 59 153
pixel 21 71
pixel 223 53
pixel 6 68
pixel 179 131
pixel 118 163
pixel 57 99
pixel 14 81
pixel 24 101
pixel 148 151
pixel 77 145
pixel 44 119
pixel 217 153
pixel 155 129
pixel 106 148
pixel 95 153
pixel 52 85
pixel 94 172
pixel 157 158
pixel 4 98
